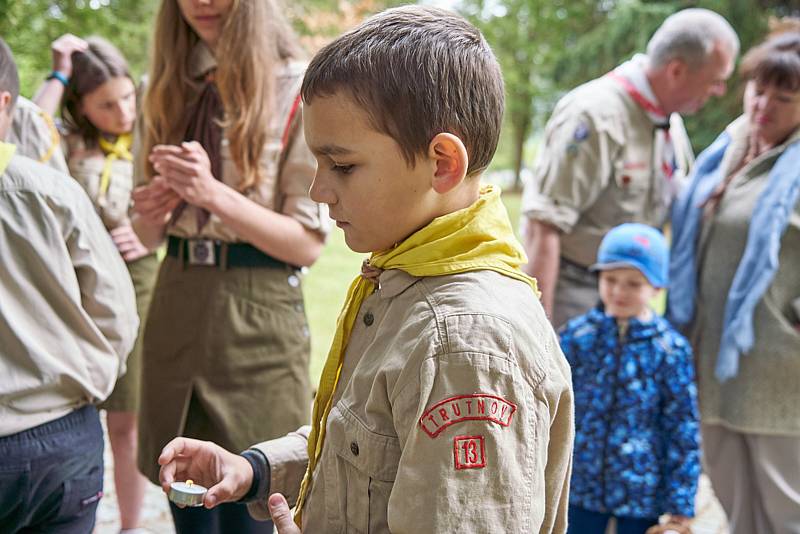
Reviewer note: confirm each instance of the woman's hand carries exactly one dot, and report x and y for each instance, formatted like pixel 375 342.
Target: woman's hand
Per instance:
pixel 187 170
pixel 62 49
pixel 227 476
pixel 128 243
pixel 155 201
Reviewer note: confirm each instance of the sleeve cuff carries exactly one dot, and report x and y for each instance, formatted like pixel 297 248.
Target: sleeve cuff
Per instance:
pixel 259 489
pixel 551 211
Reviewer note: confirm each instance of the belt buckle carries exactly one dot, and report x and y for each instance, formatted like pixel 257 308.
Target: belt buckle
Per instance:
pixel 201 252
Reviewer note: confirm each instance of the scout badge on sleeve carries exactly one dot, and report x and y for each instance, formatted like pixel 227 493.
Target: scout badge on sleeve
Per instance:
pixel 580 135
pixel 469 451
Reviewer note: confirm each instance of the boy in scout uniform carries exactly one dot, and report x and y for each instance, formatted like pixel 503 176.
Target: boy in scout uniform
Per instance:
pixel 616 151
pixel 67 323
pixel 34 134
pixel 445 404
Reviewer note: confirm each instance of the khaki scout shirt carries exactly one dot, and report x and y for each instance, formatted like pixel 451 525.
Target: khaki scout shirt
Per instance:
pixel 599 167
pixel 763 398
pixel 286 174
pixel 36 136
pixel 453 413
pixel 86 165
pixel 67 306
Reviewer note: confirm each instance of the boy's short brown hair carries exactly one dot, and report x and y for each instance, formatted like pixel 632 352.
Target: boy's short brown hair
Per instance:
pixel 417 71
pixel 9 77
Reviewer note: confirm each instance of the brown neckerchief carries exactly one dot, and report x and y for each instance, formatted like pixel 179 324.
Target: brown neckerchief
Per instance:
pixel 204 127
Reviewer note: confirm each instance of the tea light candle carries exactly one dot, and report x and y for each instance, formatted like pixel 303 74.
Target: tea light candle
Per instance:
pixel 187 493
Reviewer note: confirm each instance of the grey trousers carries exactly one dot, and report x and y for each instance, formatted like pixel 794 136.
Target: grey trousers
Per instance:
pixel 576 292
pixel 756 479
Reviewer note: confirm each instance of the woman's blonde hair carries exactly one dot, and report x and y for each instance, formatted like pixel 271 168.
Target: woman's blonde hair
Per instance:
pixel 254 40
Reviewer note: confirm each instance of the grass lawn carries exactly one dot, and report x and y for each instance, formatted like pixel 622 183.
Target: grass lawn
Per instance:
pixel 327 282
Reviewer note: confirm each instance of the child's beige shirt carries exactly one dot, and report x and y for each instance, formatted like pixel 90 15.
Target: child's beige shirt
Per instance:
pixel 454 413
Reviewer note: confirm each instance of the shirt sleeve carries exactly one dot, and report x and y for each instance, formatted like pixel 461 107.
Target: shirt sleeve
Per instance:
pixel 107 293
pixel 681 422
pixel 480 436
pixel 287 458
pixel 574 166
pixel 296 176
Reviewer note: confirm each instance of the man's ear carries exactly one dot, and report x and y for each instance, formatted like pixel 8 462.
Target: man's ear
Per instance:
pixel 677 71
pixel 450 157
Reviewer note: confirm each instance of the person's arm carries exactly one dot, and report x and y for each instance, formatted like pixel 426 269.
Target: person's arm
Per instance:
pixel 107 294
pixel 681 422
pixel 230 477
pixel 48 97
pixel 187 171
pixel 543 247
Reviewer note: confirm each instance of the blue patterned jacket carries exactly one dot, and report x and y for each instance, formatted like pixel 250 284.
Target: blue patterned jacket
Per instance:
pixel 637 443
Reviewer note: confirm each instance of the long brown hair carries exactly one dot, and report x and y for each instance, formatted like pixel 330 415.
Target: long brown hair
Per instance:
pixel 254 40
pixel 91 68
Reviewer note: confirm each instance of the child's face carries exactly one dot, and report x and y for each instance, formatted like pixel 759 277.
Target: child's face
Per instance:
pixel 626 293
pixel 112 106
pixel 373 195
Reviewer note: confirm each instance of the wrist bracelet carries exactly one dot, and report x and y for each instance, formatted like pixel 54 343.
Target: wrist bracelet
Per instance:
pixel 56 75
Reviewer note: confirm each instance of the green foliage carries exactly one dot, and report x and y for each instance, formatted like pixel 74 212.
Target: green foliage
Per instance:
pixel 30 26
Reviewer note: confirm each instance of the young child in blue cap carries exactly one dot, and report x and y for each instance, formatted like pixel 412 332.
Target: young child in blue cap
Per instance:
pixel 637 450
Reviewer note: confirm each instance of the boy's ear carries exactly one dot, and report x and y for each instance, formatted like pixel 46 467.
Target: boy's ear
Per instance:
pixel 450 157
pixel 5 102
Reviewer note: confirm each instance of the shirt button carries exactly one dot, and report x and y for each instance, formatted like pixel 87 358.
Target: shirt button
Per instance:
pixel 369 318
pixel 354 448
pixel 294 281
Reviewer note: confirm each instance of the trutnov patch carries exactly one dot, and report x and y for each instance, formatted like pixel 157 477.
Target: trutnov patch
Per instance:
pixel 475 407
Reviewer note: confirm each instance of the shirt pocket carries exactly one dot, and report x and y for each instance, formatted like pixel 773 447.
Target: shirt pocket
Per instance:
pixel 632 182
pixel 362 474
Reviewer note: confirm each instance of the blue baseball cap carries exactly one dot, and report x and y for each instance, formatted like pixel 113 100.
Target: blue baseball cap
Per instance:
pixel 638 246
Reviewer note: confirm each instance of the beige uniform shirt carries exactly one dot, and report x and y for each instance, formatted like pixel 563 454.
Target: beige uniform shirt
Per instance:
pixel 454 413
pixel 287 172
pixel 67 307
pixel 35 135
pixel 763 398
pixel 86 166
pixel 598 168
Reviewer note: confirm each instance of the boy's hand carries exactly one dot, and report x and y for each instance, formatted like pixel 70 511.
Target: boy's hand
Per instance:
pixel 227 476
pixel 187 170
pixel 281 515
pixel 62 49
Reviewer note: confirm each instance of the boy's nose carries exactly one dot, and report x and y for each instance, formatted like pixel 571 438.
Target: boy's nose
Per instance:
pixel 320 192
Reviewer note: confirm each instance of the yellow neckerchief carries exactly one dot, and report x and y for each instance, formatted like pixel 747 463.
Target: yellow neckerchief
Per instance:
pixel 121 148
pixel 6 153
pixel 472 239
pixel 55 139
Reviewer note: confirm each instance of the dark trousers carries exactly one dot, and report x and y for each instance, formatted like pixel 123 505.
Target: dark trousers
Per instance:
pixel 51 476
pixel 583 521
pixel 224 518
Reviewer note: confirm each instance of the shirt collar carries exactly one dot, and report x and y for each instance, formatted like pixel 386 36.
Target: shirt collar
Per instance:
pixel 201 60
pixel 392 282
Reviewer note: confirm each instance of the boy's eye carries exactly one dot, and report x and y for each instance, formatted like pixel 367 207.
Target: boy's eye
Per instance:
pixel 342 169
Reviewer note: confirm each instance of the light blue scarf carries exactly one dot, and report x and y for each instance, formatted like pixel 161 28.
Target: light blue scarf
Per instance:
pixel 760 260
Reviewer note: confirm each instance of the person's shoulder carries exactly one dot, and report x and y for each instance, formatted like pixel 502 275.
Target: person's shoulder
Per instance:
pixel 488 312
pixel 668 337
pixel 26 175
pixel 596 99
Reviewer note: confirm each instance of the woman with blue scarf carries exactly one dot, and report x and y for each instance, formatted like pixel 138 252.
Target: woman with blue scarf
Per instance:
pixel 735 273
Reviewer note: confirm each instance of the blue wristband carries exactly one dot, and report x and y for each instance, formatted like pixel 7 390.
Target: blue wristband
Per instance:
pixel 56 75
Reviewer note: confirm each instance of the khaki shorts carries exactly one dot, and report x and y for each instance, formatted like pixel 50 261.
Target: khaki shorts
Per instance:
pixel 576 292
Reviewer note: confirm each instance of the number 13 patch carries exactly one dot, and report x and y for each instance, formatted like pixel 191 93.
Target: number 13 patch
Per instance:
pixel 469 452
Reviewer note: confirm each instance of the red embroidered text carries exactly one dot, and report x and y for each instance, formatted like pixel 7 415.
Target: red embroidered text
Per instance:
pixel 469 452
pixel 466 408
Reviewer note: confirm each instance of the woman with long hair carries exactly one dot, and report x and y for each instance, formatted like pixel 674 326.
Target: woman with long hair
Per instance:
pixel 98 110
pixel 226 174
